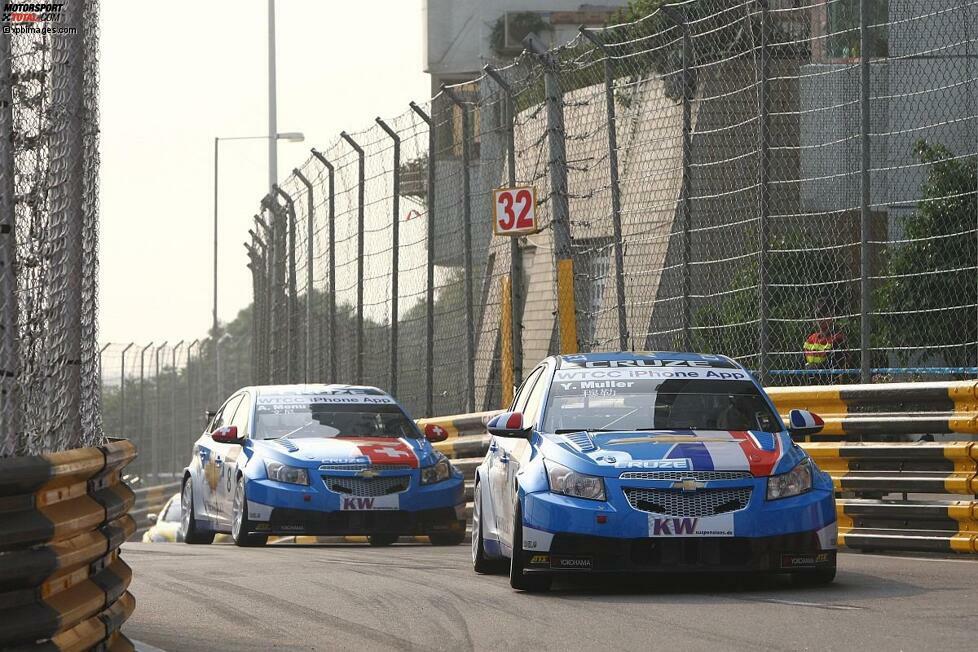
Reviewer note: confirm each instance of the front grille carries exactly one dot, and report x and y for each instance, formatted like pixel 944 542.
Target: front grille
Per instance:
pixel 367 487
pixel 359 466
pixel 674 502
pixel 702 476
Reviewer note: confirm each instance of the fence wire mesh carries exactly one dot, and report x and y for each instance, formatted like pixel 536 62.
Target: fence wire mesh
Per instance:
pixel 791 183
pixel 49 232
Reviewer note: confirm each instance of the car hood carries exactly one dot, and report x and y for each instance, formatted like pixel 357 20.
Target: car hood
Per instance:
pixel 611 453
pixel 310 451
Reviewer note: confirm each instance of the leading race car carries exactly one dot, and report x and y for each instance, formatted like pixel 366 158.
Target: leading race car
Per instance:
pixel 318 460
pixel 649 462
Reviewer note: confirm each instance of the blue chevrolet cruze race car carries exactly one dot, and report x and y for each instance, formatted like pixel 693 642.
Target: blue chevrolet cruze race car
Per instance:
pixel 649 462
pixel 318 460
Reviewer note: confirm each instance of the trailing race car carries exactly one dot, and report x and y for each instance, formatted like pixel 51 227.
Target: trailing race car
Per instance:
pixel 318 460
pixel 649 462
pixel 166 526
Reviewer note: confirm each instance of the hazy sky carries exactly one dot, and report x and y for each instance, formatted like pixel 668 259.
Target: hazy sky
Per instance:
pixel 170 84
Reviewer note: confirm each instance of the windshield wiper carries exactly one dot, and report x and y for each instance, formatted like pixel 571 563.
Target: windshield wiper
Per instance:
pixel 565 431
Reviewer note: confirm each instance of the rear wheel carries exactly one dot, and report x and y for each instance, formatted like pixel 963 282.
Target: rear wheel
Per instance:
pixel 382 539
pixel 532 583
pixel 818 577
pixel 188 523
pixel 240 525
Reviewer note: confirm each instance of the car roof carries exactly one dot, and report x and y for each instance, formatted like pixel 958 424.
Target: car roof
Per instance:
pixel 312 389
pixel 643 355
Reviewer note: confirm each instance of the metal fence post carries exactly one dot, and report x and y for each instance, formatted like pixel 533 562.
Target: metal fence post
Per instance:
pixel 515 253
pixel 66 228
pixel 361 205
pixel 101 379
pixel 609 92
pixel 267 301
pixel 292 316
pixel 142 401
pixel 254 260
pixel 122 391
pixel 173 407
pixel 563 242
pixel 157 425
pixel 763 200
pixel 279 238
pixel 307 365
pixel 467 246
pixel 190 389
pixel 395 246
pixel 429 351
pixel 865 223
pixel 9 334
pixel 331 288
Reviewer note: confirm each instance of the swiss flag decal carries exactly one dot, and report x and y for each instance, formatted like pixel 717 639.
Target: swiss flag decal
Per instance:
pixel 387 451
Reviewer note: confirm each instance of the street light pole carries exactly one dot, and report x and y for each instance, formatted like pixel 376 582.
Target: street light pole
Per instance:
pixel 272 118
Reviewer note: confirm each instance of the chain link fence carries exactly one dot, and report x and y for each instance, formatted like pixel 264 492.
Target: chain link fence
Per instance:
pixel 791 183
pixel 49 162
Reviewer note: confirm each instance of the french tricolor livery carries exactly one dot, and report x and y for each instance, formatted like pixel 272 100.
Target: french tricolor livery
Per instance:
pixel 650 462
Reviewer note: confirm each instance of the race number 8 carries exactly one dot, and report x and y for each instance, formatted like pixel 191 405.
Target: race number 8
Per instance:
pixel 514 211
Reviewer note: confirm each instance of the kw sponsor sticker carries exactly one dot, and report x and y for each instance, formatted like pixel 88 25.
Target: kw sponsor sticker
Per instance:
pixel 685 526
pixel 369 503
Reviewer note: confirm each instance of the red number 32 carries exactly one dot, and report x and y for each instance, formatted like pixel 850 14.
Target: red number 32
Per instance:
pixel 524 200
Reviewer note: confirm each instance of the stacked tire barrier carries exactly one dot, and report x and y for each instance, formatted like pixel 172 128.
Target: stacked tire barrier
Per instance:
pixel 866 474
pixel 63 517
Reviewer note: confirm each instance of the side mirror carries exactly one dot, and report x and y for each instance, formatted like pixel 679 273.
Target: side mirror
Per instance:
pixel 435 433
pixel 226 435
pixel 508 424
pixel 153 518
pixel 803 423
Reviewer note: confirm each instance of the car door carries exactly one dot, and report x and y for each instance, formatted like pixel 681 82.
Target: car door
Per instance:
pixel 518 451
pixel 500 454
pixel 240 419
pixel 212 455
pixel 223 454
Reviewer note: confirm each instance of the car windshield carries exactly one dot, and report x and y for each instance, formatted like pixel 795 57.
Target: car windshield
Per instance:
pixel 306 418
pixel 172 513
pixel 628 403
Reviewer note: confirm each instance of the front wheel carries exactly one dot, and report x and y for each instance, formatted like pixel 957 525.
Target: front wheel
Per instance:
pixel 531 583
pixel 240 525
pixel 480 562
pixel 188 523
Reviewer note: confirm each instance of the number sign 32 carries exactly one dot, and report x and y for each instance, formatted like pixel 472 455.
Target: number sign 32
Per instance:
pixel 514 211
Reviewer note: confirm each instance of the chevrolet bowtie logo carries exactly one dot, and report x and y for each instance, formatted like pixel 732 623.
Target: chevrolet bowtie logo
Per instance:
pixel 688 484
pixel 368 473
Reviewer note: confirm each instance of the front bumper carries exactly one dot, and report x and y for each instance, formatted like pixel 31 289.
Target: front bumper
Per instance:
pixel 574 553
pixel 286 521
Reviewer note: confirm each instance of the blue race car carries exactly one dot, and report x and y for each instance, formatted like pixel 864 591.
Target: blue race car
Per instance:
pixel 318 460
pixel 649 462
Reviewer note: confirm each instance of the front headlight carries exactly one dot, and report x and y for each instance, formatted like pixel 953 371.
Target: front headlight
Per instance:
pixel 437 472
pixel 571 483
pixel 284 473
pixel 796 481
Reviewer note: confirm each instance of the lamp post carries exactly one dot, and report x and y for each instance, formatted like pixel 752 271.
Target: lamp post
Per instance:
pixel 292 137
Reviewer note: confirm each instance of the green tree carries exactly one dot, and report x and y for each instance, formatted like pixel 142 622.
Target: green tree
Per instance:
pixel 928 297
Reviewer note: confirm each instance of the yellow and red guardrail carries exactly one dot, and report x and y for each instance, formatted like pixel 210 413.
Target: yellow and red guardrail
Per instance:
pixel 859 468
pixel 63 517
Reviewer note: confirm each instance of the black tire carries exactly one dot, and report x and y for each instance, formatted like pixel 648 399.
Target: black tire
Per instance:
pixel 818 577
pixel 447 539
pixel 382 539
pixel 240 525
pixel 480 563
pixel 531 583
pixel 188 525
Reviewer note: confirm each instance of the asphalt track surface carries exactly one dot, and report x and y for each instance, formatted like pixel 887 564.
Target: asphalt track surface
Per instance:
pixel 416 597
